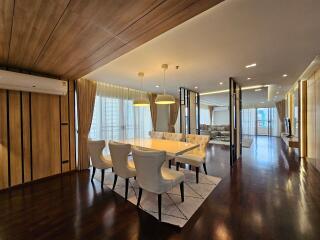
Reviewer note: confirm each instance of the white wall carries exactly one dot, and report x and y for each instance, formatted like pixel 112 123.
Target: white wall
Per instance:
pixel 221 116
pixel 162 118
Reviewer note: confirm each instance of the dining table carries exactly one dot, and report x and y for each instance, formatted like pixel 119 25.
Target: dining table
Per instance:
pixel 173 148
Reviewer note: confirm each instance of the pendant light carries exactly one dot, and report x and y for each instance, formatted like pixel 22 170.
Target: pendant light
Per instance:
pixel 142 101
pixel 164 98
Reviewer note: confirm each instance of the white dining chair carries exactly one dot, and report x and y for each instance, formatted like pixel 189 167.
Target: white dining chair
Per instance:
pixel 173 137
pixel 197 156
pixel 121 165
pixel 156 135
pixel 152 177
pixel 98 160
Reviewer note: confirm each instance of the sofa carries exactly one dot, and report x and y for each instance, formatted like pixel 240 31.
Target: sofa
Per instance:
pixel 215 131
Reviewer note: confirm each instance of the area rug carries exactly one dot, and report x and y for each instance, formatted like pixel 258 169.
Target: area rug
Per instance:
pixel 173 210
pixel 226 143
pixel 246 142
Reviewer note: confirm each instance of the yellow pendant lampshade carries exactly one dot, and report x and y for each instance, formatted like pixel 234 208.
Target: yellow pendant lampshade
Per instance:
pixel 164 98
pixel 141 102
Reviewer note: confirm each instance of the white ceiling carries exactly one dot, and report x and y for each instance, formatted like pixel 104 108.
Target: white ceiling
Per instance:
pixel 281 36
pixel 249 97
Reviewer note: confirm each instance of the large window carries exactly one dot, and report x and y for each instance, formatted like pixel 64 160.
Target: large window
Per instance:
pixel 115 117
pixel 204 115
pixel 260 121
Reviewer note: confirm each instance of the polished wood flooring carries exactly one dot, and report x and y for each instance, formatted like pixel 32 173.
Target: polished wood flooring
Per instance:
pixel 269 194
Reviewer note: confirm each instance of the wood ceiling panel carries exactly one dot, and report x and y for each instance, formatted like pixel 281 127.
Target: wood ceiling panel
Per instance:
pixel 31 29
pixel 150 26
pixel 70 38
pixel 6 13
pixel 84 28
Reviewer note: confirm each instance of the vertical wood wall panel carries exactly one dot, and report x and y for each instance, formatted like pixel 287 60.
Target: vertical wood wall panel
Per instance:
pixel 45 135
pixel 4 178
pixel 72 133
pixel 15 138
pixel 26 136
pixel 311 121
pixel 65 148
pixel 40 129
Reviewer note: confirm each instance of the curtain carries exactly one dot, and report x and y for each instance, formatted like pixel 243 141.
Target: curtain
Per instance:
pixel 174 109
pixel 281 109
pixel 211 113
pixel 153 110
pixel 86 93
pixel 115 117
pixel 248 117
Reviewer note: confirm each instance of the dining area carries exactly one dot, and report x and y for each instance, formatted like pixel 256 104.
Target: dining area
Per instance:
pixel 142 171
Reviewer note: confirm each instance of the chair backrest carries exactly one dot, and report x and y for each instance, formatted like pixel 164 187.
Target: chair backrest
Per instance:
pixel 119 155
pixel 202 140
pixel 156 135
pixel 173 136
pixel 95 151
pixel 148 166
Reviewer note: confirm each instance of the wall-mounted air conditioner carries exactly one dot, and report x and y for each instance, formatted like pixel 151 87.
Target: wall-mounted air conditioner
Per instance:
pixel 30 83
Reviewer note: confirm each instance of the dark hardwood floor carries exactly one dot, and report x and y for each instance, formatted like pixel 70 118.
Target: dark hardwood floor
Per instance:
pixel 269 194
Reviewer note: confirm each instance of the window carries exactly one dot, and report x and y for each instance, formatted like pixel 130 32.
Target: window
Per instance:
pixel 204 116
pixel 115 117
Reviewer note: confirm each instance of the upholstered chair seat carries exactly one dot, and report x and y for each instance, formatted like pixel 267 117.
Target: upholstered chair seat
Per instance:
pixel 121 165
pixel 197 156
pixel 156 135
pixel 152 177
pixel 99 161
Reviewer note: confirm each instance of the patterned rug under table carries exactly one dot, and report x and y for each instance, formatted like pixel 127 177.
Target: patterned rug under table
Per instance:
pixel 173 210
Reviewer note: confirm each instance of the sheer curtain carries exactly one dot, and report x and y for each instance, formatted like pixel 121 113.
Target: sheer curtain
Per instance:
pixel 115 117
pixel 204 115
pixel 248 121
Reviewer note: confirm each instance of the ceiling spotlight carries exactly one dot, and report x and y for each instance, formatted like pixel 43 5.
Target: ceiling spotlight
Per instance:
pixel 220 83
pixel 196 87
pixel 251 65
pixel 258 90
pixel 285 75
pixel 248 78
pixel 157 86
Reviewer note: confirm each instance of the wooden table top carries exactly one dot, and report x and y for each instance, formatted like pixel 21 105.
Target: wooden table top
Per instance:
pixel 171 147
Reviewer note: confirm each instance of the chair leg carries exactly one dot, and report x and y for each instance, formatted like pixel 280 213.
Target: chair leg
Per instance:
pixel 205 168
pixel 197 174
pixel 127 186
pixel 177 166
pixel 182 191
pixel 102 177
pixel 114 181
pixel 139 197
pixel 93 172
pixel 159 206
pixel 170 162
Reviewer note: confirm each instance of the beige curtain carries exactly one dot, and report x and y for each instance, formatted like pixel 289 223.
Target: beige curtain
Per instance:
pixel 153 110
pixel 86 94
pixel 211 113
pixel 174 109
pixel 281 108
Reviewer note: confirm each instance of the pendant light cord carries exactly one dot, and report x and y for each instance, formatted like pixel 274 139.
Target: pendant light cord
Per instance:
pixel 164 81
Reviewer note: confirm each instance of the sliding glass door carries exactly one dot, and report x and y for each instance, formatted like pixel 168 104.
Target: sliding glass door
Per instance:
pixel 263 121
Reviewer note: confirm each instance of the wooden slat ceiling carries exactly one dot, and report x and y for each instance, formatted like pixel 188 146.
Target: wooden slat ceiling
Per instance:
pixel 70 38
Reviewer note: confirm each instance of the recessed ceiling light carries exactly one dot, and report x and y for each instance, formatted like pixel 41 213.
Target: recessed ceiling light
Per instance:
pixel 258 90
pixel 285 75
pixel 196 87
pixel 248 78
pixel 157 86
pixel 251 65
pixel 220 83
